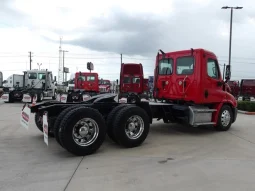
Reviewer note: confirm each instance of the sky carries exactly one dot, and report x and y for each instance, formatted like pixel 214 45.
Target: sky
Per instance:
pixel 99 31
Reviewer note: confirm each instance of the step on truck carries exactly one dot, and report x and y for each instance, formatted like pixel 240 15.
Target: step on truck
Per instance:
pixel 188 82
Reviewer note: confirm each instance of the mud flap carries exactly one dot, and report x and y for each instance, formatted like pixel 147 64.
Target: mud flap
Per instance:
pixel 5 97
pixel 85 97
pixel 27 98
pixel 45 128
pixel 63 98
pixel 25 117
pixel 58 97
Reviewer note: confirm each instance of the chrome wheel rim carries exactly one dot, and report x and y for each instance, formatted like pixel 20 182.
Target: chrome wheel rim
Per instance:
pixel 134 127
pixel 85 132
pixel 225 118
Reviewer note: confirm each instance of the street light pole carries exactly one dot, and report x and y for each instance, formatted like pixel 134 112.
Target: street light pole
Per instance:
pixel 39 65
pixel 230 32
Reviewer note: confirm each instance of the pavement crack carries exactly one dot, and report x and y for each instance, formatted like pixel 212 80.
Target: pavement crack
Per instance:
pixel 242 138
pixel 73 174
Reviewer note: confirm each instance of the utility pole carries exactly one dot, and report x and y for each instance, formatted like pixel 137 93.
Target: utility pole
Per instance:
pixel 64 62
pixel 120 58
pixel 230 35
pixel 30 59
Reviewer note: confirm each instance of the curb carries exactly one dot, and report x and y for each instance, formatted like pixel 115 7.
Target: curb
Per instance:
pixel 246 112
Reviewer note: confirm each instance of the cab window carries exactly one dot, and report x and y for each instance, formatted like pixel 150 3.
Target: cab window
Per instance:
pixel 41 76
pixel 81 78
pixel 91 78
pixel 32 76
pixel 165 67
pixel 126 80
pixel 212 69
pixel 185 65
pixel 136 80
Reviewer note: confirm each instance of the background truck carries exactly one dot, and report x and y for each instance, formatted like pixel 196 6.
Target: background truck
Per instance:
pixel 192 95
pixel 234 88
pixel 85 85
pixel 12 88
pixel 247 90
pixel 132 81
pixel 104 86
pixel 36 84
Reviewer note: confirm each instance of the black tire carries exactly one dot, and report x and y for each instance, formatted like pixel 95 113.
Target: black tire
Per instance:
pixel 39 124
pixel 110 119
pixel 220 126
pixel 59 118
pixel 119 126
pixel 67 126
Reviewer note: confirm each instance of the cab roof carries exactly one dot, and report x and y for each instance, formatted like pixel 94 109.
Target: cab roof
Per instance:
pixel 188 51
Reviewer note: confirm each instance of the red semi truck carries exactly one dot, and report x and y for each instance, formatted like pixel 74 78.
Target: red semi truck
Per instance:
pixel 132 81
pixel 247 90
pixel 85 86
pixel 188 82
pixel 234 88
pixel 104 86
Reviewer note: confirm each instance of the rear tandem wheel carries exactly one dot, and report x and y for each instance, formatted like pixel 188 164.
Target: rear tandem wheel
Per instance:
pixel 82 131
pixel 110 120
pixel 131 126
pixel 59 119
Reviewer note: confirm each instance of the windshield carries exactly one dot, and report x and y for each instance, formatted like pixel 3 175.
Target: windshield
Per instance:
pixel 185 65
pixel 32 76
pixel 126 80
pixel 104 82
pixel 41 76
pixel 165 66
pixel 91 78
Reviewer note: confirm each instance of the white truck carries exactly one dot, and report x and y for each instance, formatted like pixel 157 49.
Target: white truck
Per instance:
pixel 36 84
pixel 13 81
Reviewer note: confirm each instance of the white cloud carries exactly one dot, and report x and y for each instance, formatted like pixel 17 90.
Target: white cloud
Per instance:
pixel 122 26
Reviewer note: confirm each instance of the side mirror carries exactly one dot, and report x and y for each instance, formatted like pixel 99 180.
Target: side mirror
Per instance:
pixel 228 73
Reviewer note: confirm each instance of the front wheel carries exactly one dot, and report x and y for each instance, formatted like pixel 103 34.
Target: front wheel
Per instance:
pixel 225 118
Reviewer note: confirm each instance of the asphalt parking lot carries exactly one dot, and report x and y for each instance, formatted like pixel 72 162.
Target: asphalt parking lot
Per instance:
pixel 173 157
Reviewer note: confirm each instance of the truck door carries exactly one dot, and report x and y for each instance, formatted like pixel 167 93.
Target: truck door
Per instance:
pixel 213 90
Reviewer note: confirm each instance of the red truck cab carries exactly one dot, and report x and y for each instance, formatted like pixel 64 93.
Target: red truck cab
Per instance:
pixel 132 79
pixel 190 76
pixel 86 81
pixel 104 86
pixel 247 90
pixel 234 88
pixel 193 78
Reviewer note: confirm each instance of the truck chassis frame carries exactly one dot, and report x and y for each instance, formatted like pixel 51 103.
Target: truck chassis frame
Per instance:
pixel 81 127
